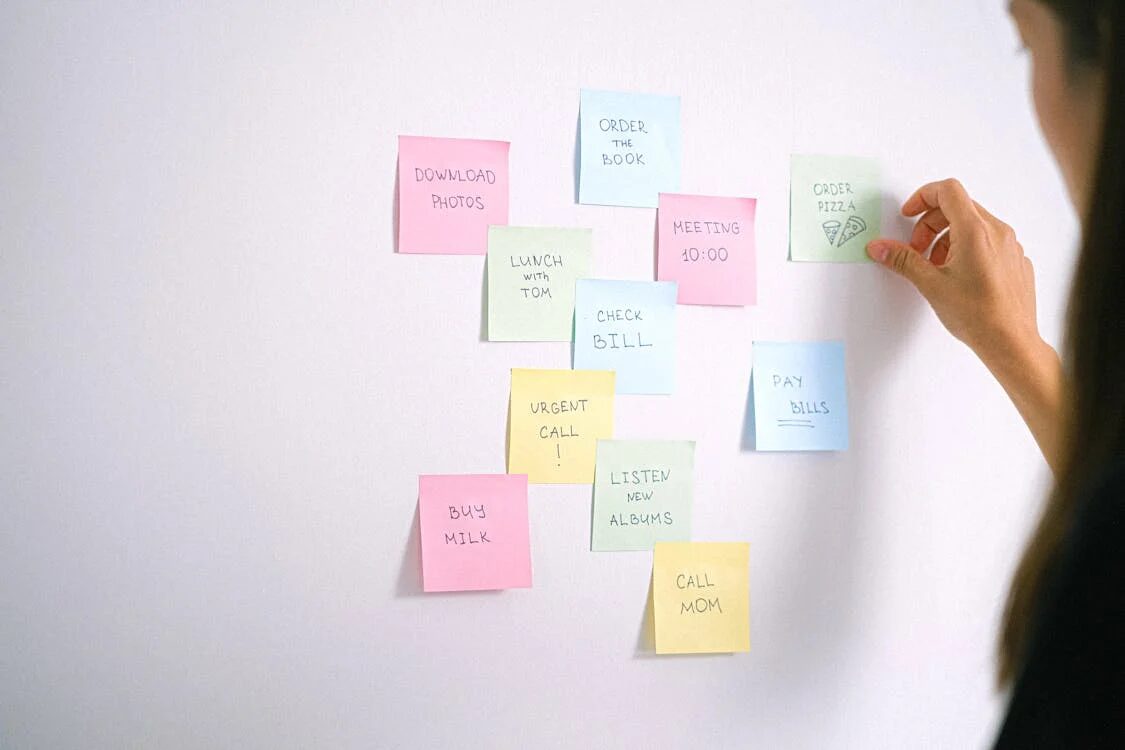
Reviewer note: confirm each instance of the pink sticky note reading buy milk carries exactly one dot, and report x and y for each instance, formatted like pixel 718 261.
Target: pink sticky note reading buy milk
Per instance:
pixel 706 244
pixel 474 532
pixel 449 191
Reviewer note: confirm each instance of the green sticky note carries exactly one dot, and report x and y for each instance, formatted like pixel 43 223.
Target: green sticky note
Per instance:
pixel 532 272
pixel 835 206
pixel 642 493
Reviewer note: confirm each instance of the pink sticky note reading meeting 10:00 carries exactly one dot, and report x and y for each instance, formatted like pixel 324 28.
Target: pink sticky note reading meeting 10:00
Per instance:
pixel 449 191
pixel 474 532
pixel 706 245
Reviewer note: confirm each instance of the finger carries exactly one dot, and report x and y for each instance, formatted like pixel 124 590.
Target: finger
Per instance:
pixel 948 195
pixel 984 212
pixel 905 261
pixel 940 254
pixel 995 223
pixel 927 229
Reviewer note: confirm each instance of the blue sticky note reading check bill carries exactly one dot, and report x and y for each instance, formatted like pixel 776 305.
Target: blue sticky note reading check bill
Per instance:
pixel 800 396
pixel 630 148
pixel 628 327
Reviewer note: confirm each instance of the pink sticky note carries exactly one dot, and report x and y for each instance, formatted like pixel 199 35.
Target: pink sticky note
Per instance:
pixel 449 191
pixel 474 532
pixel 706 245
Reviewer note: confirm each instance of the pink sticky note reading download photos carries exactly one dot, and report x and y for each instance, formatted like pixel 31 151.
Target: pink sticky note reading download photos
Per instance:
pixel 706 244
pixel 474 532
pixel 449 191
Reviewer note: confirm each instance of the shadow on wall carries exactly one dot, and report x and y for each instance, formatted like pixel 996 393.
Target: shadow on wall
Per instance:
pixel 410 570
pixel 823 548
pixel 646 637
pixel 577 155
pixel 484 303
pixel 879 314
pixel 749 434
pixel 394 212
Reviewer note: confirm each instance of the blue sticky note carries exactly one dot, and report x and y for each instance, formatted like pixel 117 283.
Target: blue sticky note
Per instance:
pixel 630 148
pixel 800 396
pixel 628 327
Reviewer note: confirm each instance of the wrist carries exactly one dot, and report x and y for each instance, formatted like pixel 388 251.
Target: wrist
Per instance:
pixel 1026 366
pixel 1030 372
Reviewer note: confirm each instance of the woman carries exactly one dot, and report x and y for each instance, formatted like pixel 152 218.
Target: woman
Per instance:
pixel 1062 644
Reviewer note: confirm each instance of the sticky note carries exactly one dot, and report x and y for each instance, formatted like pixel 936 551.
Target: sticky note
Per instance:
pixel 800 396
pixel 628 327
pixel 642 493
pixel 556 418
pixel 835 207
pixel 474 532
pixel 701 597
pixel 449 191
pixel 531 277
pixel 706 245
pixel 629 146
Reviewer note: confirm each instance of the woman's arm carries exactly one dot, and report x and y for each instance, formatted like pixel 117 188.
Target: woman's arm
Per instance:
pixel 983 290
pixel 1033 380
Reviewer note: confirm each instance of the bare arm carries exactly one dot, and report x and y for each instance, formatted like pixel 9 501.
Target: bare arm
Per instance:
pixel 982 288
pixel 1034 381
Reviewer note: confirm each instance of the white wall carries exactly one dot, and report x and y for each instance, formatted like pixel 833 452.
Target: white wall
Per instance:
pixel 218 383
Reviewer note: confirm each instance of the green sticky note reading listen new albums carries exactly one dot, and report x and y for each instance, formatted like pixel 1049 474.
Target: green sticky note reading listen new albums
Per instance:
pixel 835 205
pixel 642 493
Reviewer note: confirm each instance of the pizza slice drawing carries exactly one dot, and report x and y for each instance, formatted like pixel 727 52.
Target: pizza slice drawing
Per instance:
pixel 852 228
pixel 831 229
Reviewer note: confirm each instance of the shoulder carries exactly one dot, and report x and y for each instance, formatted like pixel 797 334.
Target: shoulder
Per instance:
pixel 1089 589
pixel 1088 585
pixel 1104 498
pixel 1098 534
pixel 1071 690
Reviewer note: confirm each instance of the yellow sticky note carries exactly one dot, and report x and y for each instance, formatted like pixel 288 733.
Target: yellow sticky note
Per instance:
pixel 555 421
pixel 701 597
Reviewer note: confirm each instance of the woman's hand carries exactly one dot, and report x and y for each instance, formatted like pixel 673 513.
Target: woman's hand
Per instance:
pixel 982 288
pixel 977 278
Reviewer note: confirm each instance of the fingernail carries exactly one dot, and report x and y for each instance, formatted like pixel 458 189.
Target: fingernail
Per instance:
pixel 878 250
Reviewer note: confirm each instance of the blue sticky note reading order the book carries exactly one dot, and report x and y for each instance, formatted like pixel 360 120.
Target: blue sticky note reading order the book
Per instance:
pixel 800 396
pixel 629 327
pixel 630 148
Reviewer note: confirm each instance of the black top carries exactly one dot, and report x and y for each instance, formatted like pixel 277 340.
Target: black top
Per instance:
pixel 1070 692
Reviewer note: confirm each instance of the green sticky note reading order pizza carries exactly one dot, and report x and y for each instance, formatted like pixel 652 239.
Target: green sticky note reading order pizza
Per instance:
pixel 834 208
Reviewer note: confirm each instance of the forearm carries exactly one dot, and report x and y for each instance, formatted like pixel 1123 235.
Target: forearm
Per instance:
pixel 1032 376
pixel 982 288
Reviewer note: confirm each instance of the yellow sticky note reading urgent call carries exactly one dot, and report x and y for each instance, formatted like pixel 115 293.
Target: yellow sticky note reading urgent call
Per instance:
pixel 701 597
pixel 555 421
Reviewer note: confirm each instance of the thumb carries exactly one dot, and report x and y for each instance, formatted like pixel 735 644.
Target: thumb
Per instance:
pixel 903 260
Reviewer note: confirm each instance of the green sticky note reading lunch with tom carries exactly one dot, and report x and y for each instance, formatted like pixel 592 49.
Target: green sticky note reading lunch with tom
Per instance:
pixel 531 276
pixel 835 204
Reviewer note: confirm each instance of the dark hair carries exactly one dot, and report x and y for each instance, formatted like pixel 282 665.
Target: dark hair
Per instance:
pixel 1095 343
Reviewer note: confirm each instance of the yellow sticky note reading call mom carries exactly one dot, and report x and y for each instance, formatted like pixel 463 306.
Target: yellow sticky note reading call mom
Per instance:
pixel 556 418
pixel 701 597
